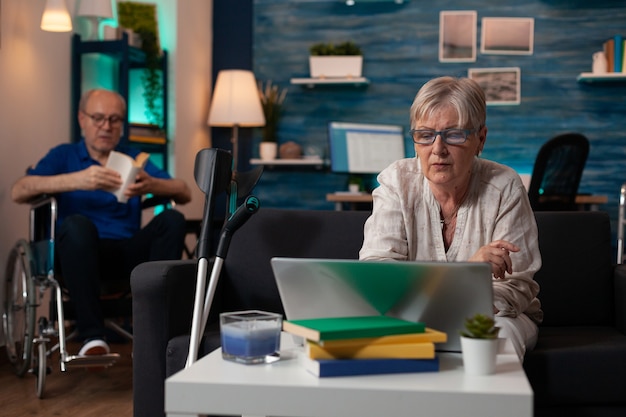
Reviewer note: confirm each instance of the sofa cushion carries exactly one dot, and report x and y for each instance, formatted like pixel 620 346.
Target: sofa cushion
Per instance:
pixel 576 278
pixel 578 365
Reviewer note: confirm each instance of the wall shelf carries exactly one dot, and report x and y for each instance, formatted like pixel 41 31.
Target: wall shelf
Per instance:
pixel 303 162
pixel 590 77
pixel 312 82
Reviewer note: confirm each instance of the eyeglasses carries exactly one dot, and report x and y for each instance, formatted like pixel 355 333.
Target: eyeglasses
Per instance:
pixel 100 119
pixel 449 136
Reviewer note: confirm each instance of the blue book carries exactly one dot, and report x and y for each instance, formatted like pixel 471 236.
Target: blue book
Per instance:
pixel 348 367
pixel 618 53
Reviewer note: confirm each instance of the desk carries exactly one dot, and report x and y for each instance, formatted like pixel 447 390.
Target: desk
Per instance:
pixel 584 201
pixel 215 386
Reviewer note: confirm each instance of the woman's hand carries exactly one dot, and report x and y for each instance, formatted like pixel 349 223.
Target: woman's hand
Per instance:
pixel 497 254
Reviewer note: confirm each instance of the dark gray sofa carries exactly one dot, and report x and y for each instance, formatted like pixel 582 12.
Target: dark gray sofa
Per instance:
pixel 577 369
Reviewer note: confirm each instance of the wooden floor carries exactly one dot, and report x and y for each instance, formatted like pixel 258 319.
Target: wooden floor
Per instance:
pixel 76 392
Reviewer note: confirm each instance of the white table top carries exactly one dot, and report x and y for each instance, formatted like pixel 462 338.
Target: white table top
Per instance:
pixel 215 386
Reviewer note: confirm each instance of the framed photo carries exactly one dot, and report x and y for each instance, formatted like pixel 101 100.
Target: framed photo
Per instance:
pixel 457 36
pixel 507 35
pixel 502 86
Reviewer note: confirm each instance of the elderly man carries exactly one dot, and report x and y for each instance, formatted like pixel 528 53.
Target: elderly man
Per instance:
pixel 99 237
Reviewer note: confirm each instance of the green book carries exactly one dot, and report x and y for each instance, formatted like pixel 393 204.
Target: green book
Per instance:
pixel 335 328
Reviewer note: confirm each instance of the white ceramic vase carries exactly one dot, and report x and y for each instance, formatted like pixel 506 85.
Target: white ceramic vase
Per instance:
pixel 268 150
pixel 479 355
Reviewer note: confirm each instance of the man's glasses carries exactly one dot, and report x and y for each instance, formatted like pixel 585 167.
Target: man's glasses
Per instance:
pixel 449 136
pixel 100 119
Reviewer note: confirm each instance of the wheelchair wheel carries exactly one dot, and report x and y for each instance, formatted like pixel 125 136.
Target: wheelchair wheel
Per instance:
pixel 18 317
pixel 42 369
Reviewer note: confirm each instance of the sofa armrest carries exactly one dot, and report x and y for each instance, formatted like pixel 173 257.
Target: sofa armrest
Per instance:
pixel 620 297
pixel 163 294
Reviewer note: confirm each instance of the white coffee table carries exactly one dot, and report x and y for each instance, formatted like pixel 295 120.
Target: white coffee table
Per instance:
pixel 215 386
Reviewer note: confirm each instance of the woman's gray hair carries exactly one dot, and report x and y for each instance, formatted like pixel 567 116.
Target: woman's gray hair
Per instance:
pixel 462 94
pixel 82 104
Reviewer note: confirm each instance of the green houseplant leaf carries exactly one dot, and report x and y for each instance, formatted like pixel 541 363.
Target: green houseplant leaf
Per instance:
pixel 326 49
pixel 272 99
pixel 480 326
pixel 141 18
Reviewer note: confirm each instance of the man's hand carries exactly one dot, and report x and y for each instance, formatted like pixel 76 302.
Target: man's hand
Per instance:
pixel 97 177
pixel 142 185
pixel 497 254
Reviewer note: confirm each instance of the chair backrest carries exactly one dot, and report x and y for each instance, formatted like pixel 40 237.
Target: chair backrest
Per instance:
pixel 557 172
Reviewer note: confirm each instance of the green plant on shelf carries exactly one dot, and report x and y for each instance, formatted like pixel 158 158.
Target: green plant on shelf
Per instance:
pixel 326 49
pixel 480 326
pixel 141 18
pixel 272 99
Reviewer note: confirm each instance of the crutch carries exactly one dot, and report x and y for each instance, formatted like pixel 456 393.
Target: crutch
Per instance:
pixel 213 173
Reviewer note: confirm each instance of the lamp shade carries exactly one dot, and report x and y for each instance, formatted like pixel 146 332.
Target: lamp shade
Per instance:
pixel 95 8
pixel 236 100
pixel 55 17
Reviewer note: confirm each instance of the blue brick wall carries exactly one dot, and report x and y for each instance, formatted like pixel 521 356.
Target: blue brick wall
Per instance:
pixel 400 45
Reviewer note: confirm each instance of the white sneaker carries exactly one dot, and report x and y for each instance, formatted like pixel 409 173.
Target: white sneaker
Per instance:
pixel 94 347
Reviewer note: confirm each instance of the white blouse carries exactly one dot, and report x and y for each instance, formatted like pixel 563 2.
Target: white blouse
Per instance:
pixel 405 225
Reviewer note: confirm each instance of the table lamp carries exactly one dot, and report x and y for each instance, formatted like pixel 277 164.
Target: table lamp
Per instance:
pixel 96 11
pixel 236 103
pixel 55 17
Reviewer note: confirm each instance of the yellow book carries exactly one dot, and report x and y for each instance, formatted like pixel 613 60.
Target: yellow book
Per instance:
pixel 429 335
pixel 423 350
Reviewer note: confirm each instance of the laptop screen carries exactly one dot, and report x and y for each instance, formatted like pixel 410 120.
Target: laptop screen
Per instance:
pixel 440 294
pixel 359 148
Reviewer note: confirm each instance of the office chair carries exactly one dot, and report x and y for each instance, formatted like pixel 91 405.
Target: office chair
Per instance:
pixel 556 175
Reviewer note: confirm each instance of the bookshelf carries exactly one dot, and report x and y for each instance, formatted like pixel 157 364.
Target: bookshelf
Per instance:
pixel 128 58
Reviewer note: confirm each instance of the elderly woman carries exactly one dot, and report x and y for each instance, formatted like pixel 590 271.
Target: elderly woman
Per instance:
pixel 447 204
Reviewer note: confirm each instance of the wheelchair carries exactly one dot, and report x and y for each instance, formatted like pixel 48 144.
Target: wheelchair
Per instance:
pixel 30 336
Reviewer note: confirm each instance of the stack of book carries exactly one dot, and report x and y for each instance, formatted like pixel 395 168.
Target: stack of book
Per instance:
pixel 146 133
pixel 614 53
pixel 342 346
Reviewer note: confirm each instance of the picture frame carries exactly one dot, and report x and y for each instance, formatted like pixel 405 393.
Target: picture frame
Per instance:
pixel 457 36
pixel 507 35
pixel 502 86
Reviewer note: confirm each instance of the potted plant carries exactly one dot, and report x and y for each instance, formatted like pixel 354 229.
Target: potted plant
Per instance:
pixel 141 20
pixel 355 183
pixel 272 99
pixel 479 345
pixel 342 60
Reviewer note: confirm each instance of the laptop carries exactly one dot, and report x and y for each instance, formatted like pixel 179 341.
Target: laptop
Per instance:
pixel 440 294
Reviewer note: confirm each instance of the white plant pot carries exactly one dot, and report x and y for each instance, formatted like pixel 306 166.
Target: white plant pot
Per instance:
pixel 268 150
pixel 479 355
pixel 336 66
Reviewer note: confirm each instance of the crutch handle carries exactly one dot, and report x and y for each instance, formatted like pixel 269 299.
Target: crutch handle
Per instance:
pixel 234 222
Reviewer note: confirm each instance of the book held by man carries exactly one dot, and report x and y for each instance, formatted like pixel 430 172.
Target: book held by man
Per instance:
pixel 334 328
pixel 128 168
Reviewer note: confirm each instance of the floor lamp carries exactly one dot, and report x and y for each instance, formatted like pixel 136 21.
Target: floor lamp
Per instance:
pixel 236 103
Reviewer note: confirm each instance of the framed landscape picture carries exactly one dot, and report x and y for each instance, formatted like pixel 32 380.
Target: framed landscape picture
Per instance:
pixel 507 35
pixel 502 86
pixel 457 36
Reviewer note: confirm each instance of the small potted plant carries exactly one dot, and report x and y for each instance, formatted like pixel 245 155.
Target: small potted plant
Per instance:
pixel 479 344
pixel 342 60
pixel 272 99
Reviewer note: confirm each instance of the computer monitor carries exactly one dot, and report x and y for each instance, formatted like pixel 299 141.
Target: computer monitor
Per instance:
pixel 361 148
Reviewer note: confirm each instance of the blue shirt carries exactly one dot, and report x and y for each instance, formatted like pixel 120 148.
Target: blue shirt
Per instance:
pixel 112 219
